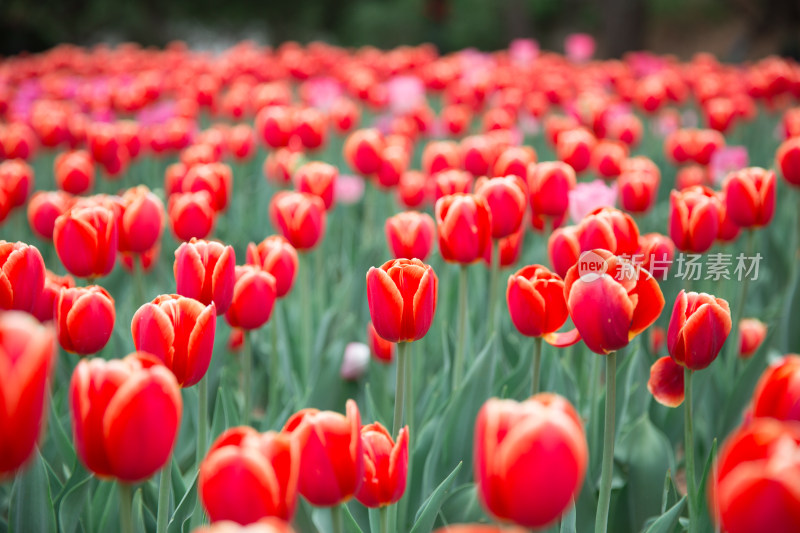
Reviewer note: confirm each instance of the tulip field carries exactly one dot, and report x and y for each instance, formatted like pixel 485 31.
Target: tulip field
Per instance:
pixel 313 289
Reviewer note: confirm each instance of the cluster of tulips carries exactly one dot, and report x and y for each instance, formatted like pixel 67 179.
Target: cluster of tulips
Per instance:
pixel 548 165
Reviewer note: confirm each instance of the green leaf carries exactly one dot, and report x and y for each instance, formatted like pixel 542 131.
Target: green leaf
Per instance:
pixel 185 508
pixel 72 500
pixel 568 520
pixel 138 513
pixel 462 506
pixel 349 523
pixel 426 516
pixel 668 521
pixel 31 504
pixel 704 520
pixel 302 518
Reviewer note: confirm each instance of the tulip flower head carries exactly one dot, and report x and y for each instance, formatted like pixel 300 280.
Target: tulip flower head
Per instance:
pixel 699 326
pixel 464 225
pixel 206 271
pixel 276 256
pixel 385 466
pixel 22 275
pixel 777 394
pixel 410 235
pixel 300 217
pixel 85 318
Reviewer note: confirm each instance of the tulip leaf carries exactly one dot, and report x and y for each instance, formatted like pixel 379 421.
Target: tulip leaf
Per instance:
pixel 138 513
pixel 31 504
pixel 705 522
pixel 61 437
pixel 176 482
pixel 349 523
pixel 302 518
pixel 184 509
pixel 426 516
pixel 462 505
pixel 101 503
pixel 70 502
pixel 668 521
pixel 568 520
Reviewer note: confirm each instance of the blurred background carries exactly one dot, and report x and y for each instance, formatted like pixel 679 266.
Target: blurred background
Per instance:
pixel 734 30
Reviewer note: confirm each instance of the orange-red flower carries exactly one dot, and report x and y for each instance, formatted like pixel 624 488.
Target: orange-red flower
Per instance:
pixel 693 219
pixel 22 275
pixel 410 235
pixel 777 393
pixel 300 217
pixel 464 225
pixel 385 466
pixel 254 297
pixel 205 271
pixel 698 328
pixel 507 203
pixel 276 256
pixel 85 318
pixel 86 239
pixel 750 197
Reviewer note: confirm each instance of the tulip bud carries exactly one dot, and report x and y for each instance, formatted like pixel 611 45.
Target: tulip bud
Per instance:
pixel 507 203
pixel 402 296
pixel 752 333
pixel 44 310
pixel 248 476
pixel 275 124
pixel 690 176
pixel 242 142
pixel 638 186
pixel 394 162
pixel 451 182
pixel 363 149
pixel 515 161
pixel 300 217
pixel 332 457
pixel 43 210
pixel 21 276
pixel 464 226
pixel 16 178
pixel 141 221
pixel 381 349
pixel 657 253
pixel 86 240
pixel 254 297
pixel 74 172
pixel 563 249
pixel 311 127
pixel 535 298
pixel 788 160
pixel 410 235
pixel 575 148
pixel 699 326
pixel 318 179
pixel 27 359
pixel 777 394
pixel 344 115
pixel 608 158
pixel 610 229
pixel 84 318
pixel 479 155
pixel 519 448
pixel 441 155
pixel 413 189
pixel 750 197
pixel 214 178
pixel 276 256
pixel 180 332
pixel 666 382
pixel 125 416
pixel 385 466
pixel 205 271
pixel 549 184
pixel 693 219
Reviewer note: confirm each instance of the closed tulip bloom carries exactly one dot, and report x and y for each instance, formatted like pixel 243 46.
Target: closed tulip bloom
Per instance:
pixel 754 487
pixel 698 328
pixel 214 178
pixel 275 124
pixel 44 310
pixel 750 197
pixel 693 219
pixel 344 115
pixel 608 158
pixel 21 276
pixel 332 457
pixel 656 252
pixel 191 215
pixel 254 297
pixel 479 154
pixel 16 178
pixel 563 249
pixel 507 203
pixel 242 142
pixel 611 307
pixel 413 189
pixel 267 525
pixel 530 458
pixel 451 182
pixel 363 149
pixel 381 349
pixel 86 239
pixel 777 394
pixel 85 318
pixel 549 184
pixel 666 382
pixel 248 476
pixel 514 161
pixel 441 155
pixel 27 351
pixel 205 271
pixel 180 332
pixel 464 225
pixel 575 148
pixel 394 162
pixel 752 333
pixel 402 295
pixel 510 249
pixel 43 210
pixel 142 220
pixel 276 256
pixel 788 160
pixel 410 235
pixel 300 217
pixel 385 466
pixel 691 175
pixel 535 298
pixel 310 127
pixel 728 231
pixel 125 416
pixel 638 190
pixel 74 172
pixel 610 229
pixel 317 178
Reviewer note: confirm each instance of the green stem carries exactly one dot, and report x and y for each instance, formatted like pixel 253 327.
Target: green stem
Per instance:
pixel 738 312
pixel 691 487
pixel 458 362
pixel 305 296
pixel 537 365
pixel 274 363
pixel 336 518
pixel 400 388
pixel 604 499
pixel 384 513
pixel 247 373
pixel 202 435
pixel 163 497
pixel 594 381
pixel 138 279
pixel 791 292
pixel 125 508
pixel 494 276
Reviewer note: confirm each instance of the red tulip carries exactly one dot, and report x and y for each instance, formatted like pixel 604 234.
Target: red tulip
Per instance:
pixel 214 178
pixel 788 160
pixel 275 124
pixel 510 249
pixel 610 303
pixel 318 179
pixel 750 197
pixel 464 225
pixel 344 115
pixel 549 184
pixel 699 326
pixel 535 298
pixel 530 458
pixel 21 276
pixel 381 349
pixel 180 332
pixel 507 203
pixel 141 221
pixel 752 333
pixel 610 229
pixel 44 309
pixel 332 458
pixel 563 249
pixel 394 162
pixel 638 187
pixel 16 178
pixel 729 231
pixel 693 219
pixel 300 217
pixel 276 256
pixel 74 172
pixel 310 127
pixel 690 176
pixel 410 235
pixel 385 466
pixel 241 142
pixel 657 253
pixel 479 154
pixel 84 318
pixel 413 189
pixel 402 296
pixel 27 357
pixel 777 394
pixel 451 182
pixel 575 148
pixel 666 382
pixel 248 476
pixel 515 161
pixel 43 210
pixel 441 155
pixel 86 240
pixel 754 487
pixel 363 150
pixel 253 298
pixel 608 158
pixel 125 416
pixel 205 271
